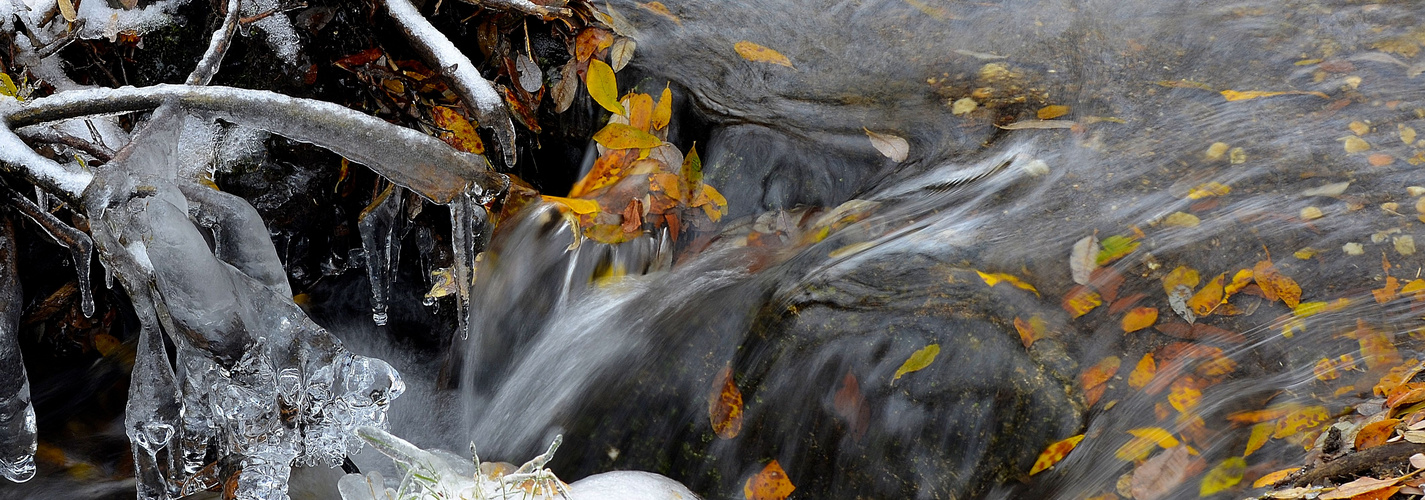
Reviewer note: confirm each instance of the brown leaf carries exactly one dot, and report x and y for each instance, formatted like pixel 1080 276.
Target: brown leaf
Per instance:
pixel 563 93
pixel 1161 475
pixel 725 405
pixel 633 216
pixel 621 52
pixel 1275 285
pixel 1030 331
pixel 1360 486
pixel 851 406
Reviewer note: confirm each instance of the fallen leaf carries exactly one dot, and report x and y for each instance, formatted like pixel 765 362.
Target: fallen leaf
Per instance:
pixel 577 205
pixel 1115 247
pixel 1389 292
pixel 1377 349
pixel 662 10
pixel 1139 318
pixel 1201 332
pixel 1032 330
pixel 603 87
pixel 620 136
pixel 770 484
pixel 621 52
pixel 992 279
pixel 725 405
pixel 66 9
pixel 1181 276
pixel 1276 285
pixel 970 105
pixel 1135 449
pixel 1106 281
pixel 590 41
pixel 1233 95
pixel 893 147
pixel 1159 476
pixel 1380 159
pixel 640 111
pixel 1325 370
pixel 851 406
pixel 1052 111
pixel 1360 486
pixel 691 173
pixel 1355 144
pixel 1080 300
pixel 1095 377
pixel 1184 394
pixel 461 134
pixel 1222 477
pixel 1054 453
pixel 1143 373
pixel 663 112
pixel 757 53
pixel 1418 460
pixel 1209 297
pixel 1258 437
pixel 1157 435
pixel 1208 190
pixel 918 361
pixel 1375 433
pixel 564 92
pixel 1083 259
pixel 1274 477
pixel 1299 420
pixel 1181 219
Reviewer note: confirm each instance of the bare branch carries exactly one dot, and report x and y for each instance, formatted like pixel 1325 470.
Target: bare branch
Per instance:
pixel 17 158
pixel 33 135
pixel 525 7
pixel 217 46
pixel 473 89
pixel 409 158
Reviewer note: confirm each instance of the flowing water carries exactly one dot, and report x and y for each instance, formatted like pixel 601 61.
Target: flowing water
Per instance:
pixel 1204 136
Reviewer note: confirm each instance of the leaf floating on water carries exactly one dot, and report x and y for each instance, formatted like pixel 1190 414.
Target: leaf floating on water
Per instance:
pixel 1115 247
pixel 1083 259
pixel 1139 318
pixel 1161 475
pixel 1031 124
pixel 893 147
pixel 620 136
pixel 918 361
pixel 1052 111
pixel 1224 476
pixel 758 53
pixel 603 87
pixel 1233 95
pixel 770 484
pixel 993 279
pixel 725 405
pixel 1054 453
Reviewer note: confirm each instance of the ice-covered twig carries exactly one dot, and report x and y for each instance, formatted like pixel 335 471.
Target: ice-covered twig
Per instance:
pixel 473 89
pixel 81 248
pixel 17 158
pixel 217 46
pixel 523 6
pixel 539 461
pixel 52 136
pixel 409 158
pixel 17 432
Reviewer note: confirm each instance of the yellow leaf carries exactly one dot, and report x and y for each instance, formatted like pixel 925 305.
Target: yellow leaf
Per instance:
pixel 1139 318
pixel 1115 247
pixel 1143 373
pixel 1300 419
pixel 603 87
pixel 1233 95
pixel 1226 475
pixel 1080 300
pixel 993 279
pixel 1276 285
pixel 712 202
pixel 1260 434
pixel 1183 395
pixel 1052 112
pixel 1239 281
pixel 66 9
pixel 1181 219
pixel 1274 477
pixel 577 205
pixel 725 405
pixel 1135 449
pixel 757 53
pixel 7 86
pixel 461 133
pixel 1355 144
pixel 105 344
pixel 663 112
pixel 770 484
pixel 1054 453
pixel 1157 435
pixel 918 360
pixel 1206 300
pixel 1209 190
pixel 620 136
pixel 1183 275
pixel 1032 330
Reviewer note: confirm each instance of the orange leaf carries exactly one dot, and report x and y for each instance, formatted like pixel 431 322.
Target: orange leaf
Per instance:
pixel 770 484
pixel 591 40
pixel 461 133
pixel 757 53
pixel 1139 318
pixel 1080 300
pixel 1375 434
pixel 1405 394
pixel 1143 373
pixel 607 170
pixel 620 136
pixel 1389 292
pixel 1054 453
pixel 1264 415
pixel 1206 300
pixel 993 279
pixel 1360 486
pixel 725 406
pixel 1233 95
pixel 1051 112
pixel 1275 285
pixel 1299 420
pixel 640 112
pixel 1274 478
pixel 1377 349
pixel 1184 394
pixel 1032 330
pixel 1325 370
pixel 1099 374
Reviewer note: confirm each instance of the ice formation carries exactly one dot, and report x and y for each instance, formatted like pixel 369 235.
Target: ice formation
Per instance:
pixel 17 415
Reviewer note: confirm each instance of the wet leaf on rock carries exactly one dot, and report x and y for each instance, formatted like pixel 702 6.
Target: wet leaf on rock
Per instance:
pixel 1223 477
pixel 725 405
pixel 1115 247
pixel 758 53
pixel 1275 285
pixel 918 361
pixel 603 87
pixel 1054 453
pixel 850 405
pixel 891 146
pixel 992 279
pixel 1139 318
pixel 770 484
pixel 1032 330
pixel 1080 300
pixel 1083 259
pixel 1143 373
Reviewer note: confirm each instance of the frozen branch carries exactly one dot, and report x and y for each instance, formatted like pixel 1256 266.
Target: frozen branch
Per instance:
pixel 217 47
pixel 409 158
pixel 42 134
pixel 17 158
pixel 523 6
pixel 473 88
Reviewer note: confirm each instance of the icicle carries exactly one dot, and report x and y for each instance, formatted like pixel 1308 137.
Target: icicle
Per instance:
pixel 79 245
pixel 153 415
pixel 468 235
pixel 17 415
pixel 382 244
